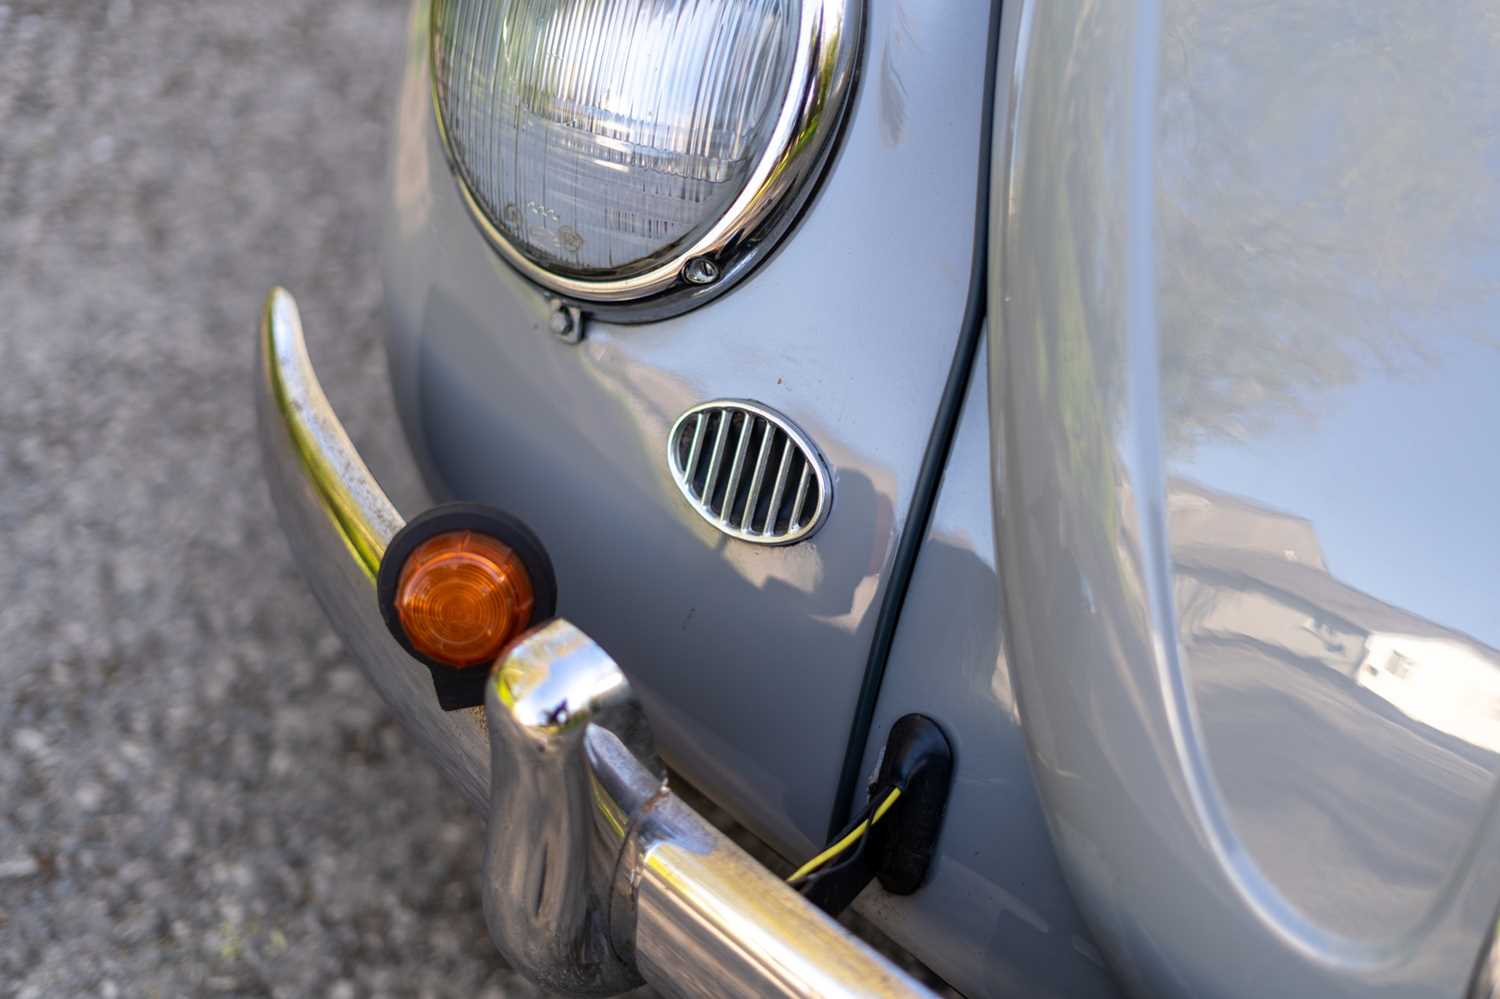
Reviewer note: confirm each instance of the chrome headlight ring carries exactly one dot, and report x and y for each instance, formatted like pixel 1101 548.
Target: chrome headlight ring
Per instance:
pixel 824 68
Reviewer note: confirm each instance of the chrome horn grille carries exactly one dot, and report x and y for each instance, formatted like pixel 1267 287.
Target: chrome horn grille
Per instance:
pixel 749 472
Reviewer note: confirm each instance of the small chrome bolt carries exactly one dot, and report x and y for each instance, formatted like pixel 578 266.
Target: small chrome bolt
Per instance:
pixel 701 270
pixel 564 321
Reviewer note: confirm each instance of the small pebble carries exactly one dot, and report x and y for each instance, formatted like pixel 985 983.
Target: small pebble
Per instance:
pixel 18 867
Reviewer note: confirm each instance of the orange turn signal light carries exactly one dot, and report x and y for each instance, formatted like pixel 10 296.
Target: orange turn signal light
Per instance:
pixel 462 596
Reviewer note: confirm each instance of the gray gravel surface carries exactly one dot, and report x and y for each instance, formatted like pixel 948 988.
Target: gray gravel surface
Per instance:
pixel 198 792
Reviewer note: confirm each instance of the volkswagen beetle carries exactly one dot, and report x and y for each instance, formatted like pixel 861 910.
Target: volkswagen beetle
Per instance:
pixel 1030 464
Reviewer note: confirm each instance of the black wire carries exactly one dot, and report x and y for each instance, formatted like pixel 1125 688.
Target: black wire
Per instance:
pixel 934 459
pixel 868 812
pixel 850 857
pixel 856 849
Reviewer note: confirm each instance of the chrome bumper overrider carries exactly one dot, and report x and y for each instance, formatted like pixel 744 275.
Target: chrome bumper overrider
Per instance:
pixel 596 876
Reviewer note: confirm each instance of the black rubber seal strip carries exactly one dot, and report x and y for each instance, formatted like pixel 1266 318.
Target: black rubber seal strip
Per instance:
pixel 934 461
pixel 463 688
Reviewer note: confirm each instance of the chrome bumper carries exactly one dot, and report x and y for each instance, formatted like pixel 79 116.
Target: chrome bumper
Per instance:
pixel 596 876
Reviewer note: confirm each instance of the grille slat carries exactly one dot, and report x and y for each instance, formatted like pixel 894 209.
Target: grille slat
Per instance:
pixel 783 470
pixel 711 480
pixel 801 498
pixel 758 479
pixel 741 447
pixel 748 434
pixel 700 428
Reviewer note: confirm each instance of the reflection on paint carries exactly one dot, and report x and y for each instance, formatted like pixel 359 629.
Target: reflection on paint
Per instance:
pixel 1364 733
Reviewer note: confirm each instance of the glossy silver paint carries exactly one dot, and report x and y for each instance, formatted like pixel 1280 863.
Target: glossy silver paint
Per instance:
pixel 593 869
pixel 1244 283
pixel 748 658
pixel 1486 983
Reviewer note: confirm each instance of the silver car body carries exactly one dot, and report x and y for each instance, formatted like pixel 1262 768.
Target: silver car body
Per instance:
pixel 1231 726
pixel 1245 476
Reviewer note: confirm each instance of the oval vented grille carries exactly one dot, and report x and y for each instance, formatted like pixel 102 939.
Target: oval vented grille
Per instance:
pixel 749 472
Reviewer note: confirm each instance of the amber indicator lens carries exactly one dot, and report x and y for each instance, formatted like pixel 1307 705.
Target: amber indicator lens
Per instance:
pixel 462 596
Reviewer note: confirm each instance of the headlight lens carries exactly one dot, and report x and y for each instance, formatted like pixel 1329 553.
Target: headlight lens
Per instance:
pixel 606 142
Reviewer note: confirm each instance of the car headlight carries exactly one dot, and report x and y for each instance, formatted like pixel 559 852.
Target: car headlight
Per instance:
pixel 614 150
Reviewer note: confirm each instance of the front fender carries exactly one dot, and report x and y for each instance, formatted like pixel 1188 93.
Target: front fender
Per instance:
pixel 1244 289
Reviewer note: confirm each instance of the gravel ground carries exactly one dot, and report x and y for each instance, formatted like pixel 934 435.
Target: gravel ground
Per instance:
pixel 198 792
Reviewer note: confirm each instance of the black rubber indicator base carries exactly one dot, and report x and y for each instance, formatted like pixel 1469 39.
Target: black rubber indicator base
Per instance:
pixel 898 849
pixel 463 688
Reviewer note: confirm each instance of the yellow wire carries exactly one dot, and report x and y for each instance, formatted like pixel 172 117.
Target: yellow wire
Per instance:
pixel 844 844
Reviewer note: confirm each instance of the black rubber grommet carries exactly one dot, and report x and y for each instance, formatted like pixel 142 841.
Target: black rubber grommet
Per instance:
pixel 463 688
pixel 918 759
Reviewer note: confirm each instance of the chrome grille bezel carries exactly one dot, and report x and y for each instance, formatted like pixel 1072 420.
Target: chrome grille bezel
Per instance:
pixel 740 464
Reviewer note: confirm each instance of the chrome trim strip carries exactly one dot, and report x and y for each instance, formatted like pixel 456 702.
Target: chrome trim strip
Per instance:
pixel 595 874
pixel 830 33
pixel 338 522
pixel 364 516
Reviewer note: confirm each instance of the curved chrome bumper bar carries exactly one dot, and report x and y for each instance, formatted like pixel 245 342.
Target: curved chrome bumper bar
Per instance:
pixel 596 876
